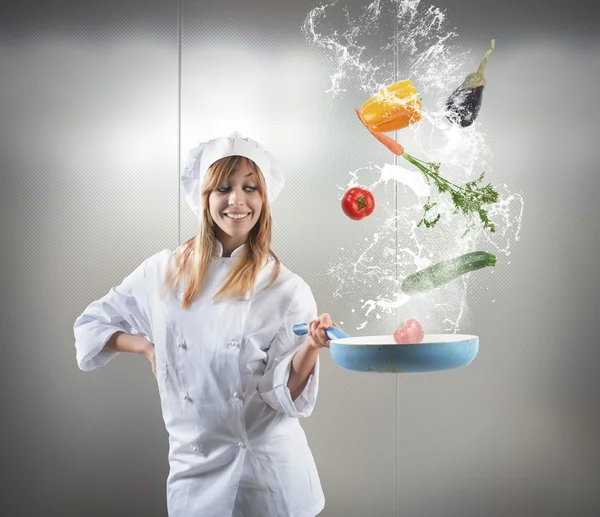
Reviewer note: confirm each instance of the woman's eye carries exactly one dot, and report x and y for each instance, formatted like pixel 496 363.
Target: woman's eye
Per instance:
pixel 223 190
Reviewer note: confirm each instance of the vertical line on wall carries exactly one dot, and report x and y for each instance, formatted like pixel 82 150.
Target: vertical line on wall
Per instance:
pixel 396 266
pixel 178 121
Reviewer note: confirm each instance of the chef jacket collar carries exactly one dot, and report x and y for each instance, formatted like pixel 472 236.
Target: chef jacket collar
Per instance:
pixel 235 253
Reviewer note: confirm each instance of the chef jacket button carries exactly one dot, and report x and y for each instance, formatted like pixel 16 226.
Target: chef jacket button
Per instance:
pixel 234 344
pixel 236 395
pixel 182 345
pixel 240 444
pixel 195 447
pixel 187 397
pixel 247 297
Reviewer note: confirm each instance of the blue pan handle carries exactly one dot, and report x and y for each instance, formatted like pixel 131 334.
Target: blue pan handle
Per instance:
pixel 331 332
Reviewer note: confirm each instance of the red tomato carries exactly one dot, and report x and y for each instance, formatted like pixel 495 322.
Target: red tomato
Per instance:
pixel 358 203
pixel 411 331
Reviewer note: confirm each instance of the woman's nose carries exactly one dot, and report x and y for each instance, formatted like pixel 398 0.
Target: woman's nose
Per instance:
pixel 236 197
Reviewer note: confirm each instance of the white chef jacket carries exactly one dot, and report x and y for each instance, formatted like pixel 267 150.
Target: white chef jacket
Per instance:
pixel 236 446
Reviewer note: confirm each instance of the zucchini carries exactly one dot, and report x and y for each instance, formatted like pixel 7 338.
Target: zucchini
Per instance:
pixel 445 271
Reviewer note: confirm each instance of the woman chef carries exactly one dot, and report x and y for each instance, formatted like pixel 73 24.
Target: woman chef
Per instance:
pixel 215 319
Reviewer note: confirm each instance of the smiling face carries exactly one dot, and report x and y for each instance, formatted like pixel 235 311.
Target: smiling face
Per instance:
pixel 235 206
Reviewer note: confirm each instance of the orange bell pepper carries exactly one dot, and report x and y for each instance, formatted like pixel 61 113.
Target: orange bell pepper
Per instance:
pixel 394 107
pixel 390 143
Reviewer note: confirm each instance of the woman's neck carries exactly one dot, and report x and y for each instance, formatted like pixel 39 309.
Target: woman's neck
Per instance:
pixel 230 244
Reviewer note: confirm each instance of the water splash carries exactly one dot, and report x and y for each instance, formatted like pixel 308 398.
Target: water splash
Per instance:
pixel 388 41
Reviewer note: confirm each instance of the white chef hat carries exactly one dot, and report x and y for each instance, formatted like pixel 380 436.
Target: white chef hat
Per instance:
pixel 207 153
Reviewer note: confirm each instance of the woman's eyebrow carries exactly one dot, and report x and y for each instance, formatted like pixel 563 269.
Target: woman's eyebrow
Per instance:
pixel 249 174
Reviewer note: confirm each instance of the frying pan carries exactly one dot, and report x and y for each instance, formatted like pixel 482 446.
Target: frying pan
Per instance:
pixel 381 354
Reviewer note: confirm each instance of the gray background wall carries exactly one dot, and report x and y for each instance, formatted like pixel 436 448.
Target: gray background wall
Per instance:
pixel 99 103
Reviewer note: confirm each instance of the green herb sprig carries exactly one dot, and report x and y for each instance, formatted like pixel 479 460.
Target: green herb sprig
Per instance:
pixel 467 199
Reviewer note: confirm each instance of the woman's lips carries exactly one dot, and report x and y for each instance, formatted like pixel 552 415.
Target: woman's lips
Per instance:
pixel 237 219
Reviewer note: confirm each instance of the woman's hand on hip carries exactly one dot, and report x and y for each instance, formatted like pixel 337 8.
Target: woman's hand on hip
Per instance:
pixel 133 344
pixel 149 353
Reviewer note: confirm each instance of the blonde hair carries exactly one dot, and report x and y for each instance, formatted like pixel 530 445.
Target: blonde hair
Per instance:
pixel 193 256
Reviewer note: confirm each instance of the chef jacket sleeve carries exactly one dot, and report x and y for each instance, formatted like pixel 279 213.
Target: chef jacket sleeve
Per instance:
pixel 123 309
pixel 272 386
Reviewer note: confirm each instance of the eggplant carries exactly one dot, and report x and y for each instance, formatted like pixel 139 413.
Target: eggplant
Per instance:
pixel 462 107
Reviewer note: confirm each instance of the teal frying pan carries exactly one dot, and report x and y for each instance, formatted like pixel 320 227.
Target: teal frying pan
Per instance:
pixel 381 354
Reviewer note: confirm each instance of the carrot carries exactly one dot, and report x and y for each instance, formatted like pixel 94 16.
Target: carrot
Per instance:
pixel 390 143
